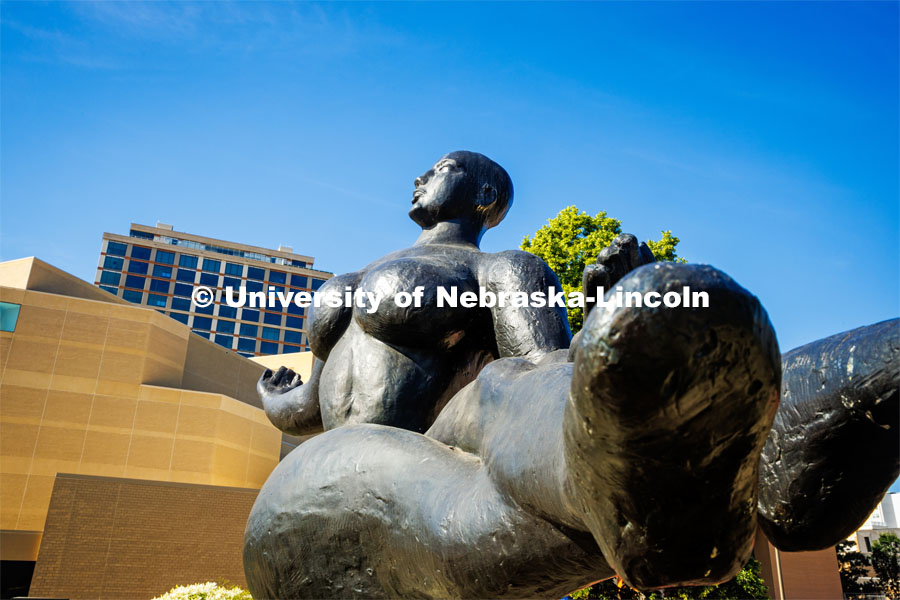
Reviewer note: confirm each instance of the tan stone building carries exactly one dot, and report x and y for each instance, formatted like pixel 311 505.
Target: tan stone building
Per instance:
pixel 111 402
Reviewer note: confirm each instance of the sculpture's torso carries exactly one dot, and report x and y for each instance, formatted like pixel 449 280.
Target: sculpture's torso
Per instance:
pixel 421 355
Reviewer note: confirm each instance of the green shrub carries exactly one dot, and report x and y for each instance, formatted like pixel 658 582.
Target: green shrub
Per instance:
pixel 205 591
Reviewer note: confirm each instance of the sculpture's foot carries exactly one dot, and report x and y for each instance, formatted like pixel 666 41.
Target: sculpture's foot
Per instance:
pixel 668 413
pixel 833 450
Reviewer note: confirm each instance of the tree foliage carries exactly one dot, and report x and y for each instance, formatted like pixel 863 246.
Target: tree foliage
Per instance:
pixel 748 584
pixel 573 239
pixel 886 563
pixel 852 566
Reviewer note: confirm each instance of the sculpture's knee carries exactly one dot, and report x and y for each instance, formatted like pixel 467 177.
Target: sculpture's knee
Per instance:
pixel 669 410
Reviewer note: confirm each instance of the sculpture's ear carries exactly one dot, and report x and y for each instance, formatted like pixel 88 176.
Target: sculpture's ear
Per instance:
pixel 486 195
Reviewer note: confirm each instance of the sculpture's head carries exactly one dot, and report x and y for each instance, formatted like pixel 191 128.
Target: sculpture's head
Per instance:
pixel 463 186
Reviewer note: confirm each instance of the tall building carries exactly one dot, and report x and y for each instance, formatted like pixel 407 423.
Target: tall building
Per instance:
pixel 159 267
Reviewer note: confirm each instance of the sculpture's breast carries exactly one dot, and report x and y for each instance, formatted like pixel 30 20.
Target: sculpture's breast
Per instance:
pixel 414 318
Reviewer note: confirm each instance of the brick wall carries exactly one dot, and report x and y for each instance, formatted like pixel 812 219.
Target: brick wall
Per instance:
pixel 123 538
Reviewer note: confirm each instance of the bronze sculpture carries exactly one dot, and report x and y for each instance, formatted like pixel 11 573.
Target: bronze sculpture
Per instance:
pixel 470 453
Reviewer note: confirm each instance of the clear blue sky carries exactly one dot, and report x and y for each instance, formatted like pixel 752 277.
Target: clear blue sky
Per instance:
pixel 764 135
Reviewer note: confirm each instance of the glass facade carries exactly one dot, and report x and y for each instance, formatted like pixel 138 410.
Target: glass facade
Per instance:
pixel 110 278
pixel 116 249
pixel 140 252
pixel 135 281
pixel 9 316
pixel 113 263
pixel 163 277
pixel 135 266
pixel 187 261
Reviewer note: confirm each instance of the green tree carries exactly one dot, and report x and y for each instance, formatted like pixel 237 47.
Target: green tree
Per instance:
pixel 573 239
pixel 748 584
pixel 852 565
pixel 886 562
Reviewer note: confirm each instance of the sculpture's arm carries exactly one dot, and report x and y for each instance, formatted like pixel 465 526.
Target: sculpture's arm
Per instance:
pixel 524 330
pixel 291 405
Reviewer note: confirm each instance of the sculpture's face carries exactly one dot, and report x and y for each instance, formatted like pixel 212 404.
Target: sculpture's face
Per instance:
pixel 443 192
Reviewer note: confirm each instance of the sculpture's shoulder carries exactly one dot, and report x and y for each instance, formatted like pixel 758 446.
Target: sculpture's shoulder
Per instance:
pixel 516 268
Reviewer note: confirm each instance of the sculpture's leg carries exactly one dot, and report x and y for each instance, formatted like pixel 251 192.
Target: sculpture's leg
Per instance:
pixel 835 446
pixel 668 413
pixel 372 511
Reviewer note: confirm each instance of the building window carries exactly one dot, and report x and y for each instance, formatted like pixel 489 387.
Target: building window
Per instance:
pixel 183 318
pixel 211 266
pixel 276 289
pixel 116 248
pixel 154 300
pixel 249 330
pixel 9 315
pixel 166 258
pixel 204 310
pixel 227 311
pixel 256 273
pixel 298 263
pixel 868 544
pixel 202 334
pixel 158 285
pixel 272 318
pixel 187 261
pixel 133 281
pixel 163 272
pixel 132 296
pixel 277 277
pixel 185 275
pixel 233 269
pixel 183 289
pixel 209 279
pixel 253 286
pixel 138 267
pixel 295 322
pixel 181 304
pixel 224 326
pixel 141 234
pixel 224 341
pixel 246 345
pixel 268 348
pixel 113 263
pixel 293 309
pixel 111 290
pixel 298 281
pixel 231 282
pixel 140 252
pixel 315 283
pixel 110 278
pixel 293 337
pixel 202 323
pixel 250 315
pixel 270 333
pixel 288 348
